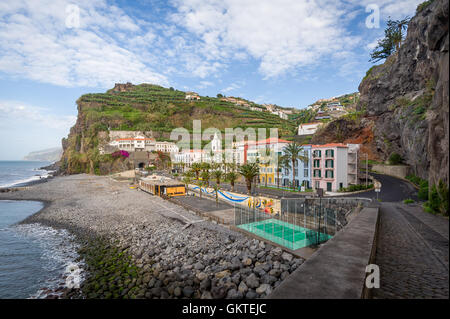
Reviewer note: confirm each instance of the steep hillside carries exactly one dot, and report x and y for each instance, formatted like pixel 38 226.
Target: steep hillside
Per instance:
pixel 403 106
pixel 47 155
pixel 154 109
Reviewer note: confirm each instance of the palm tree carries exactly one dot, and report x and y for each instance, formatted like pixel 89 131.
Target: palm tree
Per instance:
pixel 217 175
pixel 232 177
pixel 205 175
pixel 249 171
pixel 196 168
pixel 187 179
pixel 200 184
pixel 294 152
pixel 216 188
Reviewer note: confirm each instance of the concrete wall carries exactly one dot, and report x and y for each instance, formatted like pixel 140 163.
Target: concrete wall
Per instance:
pixel 338 269
pixel 400 171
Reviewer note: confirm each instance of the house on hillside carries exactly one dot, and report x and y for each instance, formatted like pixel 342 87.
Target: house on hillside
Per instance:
pixel 308 128
pixel 192 96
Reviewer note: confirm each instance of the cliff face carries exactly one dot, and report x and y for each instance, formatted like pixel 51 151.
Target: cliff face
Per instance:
pixel 153 109
pixel 405 100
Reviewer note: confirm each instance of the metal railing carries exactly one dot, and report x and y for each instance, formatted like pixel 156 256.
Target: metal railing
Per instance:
pixel 301 223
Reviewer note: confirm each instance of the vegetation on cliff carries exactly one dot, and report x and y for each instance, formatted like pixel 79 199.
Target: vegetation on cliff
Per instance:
pixel 152 108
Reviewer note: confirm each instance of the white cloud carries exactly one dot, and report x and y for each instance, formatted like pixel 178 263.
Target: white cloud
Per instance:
pixel 282 35
pixel 107 47
pixel 20 112
pixel 396 9
pixel 204 84
pixel 232 87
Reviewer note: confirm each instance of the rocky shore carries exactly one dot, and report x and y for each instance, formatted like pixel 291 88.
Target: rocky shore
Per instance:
pixel 138 246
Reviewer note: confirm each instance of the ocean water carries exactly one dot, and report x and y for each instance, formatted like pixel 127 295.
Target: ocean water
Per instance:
pixel 14 173
pixel 35 259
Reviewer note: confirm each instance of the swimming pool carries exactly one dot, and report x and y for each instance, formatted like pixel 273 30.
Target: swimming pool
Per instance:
pixel 283 233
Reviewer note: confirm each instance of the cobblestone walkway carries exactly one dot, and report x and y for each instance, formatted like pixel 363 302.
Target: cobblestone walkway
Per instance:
pixel 412 253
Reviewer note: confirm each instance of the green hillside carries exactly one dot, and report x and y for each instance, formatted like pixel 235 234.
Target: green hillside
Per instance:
pixel 154 108
pixel 151 107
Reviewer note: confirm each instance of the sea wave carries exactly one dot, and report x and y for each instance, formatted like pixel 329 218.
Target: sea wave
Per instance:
pixel 59 258
pixel 26 180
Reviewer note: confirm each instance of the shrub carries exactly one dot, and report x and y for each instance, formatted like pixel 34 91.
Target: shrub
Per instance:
pixel 443 197
pixel 355 188
pixel 408 201
pixel 423 5
pixel 395 159
pixel 422 184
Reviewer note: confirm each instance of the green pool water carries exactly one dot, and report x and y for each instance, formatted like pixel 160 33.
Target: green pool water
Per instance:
pixel 283 233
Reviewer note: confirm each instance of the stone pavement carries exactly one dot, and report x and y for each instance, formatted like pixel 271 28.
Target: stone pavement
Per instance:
pixel 412 253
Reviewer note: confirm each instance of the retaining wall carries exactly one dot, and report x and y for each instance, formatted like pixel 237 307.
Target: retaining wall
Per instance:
pixel 400 171
pixel 337 269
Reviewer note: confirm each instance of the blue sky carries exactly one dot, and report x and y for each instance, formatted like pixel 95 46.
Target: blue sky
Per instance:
pixel 287 52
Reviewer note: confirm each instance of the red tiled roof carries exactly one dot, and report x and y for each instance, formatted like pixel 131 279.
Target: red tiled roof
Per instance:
pixel 330 145
pixel 134 139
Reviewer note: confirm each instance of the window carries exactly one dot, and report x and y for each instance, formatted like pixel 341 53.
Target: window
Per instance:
pixel 316 163
pixel 317 173
pixel 329 163
pixel 329 173
pixel 317 153
pixel 329 153
pixel 296 172
pixel 305 173
pixel 317 184
pixel 286 171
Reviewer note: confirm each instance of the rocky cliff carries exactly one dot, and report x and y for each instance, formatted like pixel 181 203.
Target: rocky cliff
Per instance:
pixel 404 102
pixel 48 155
pixel 153 109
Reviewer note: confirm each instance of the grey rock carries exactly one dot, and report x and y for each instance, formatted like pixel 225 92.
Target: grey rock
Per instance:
pixel 251 294
pixel 188 291
pixel 252 281
pixel 262 288
pixel 286 256
pixel 243 287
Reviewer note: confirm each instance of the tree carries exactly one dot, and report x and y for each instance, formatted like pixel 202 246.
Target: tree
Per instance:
pixel 219 95
pixel 294 152
pixel 216 188
pixel 393 37
pixel 187 180
pixel 232 177
pixel 249 171
pixel 205 175
pixel 200 184
pixel 217 174
pixel 395 159
pixel 196 168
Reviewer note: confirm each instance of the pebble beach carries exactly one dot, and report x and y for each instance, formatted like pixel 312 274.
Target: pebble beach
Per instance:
pixel 135 245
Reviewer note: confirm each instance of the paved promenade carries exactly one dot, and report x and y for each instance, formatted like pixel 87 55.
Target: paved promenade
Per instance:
pixel 412 253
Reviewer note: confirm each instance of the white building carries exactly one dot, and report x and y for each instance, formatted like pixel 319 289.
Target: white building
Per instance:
pixel 308 128
pixel 281 114
pixel 166 147
pixel 192 96
pixel 132 144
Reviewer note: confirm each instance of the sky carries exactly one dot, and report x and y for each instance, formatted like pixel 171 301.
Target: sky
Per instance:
pixel 287 52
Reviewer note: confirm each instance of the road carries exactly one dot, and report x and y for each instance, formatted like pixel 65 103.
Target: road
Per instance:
pixel 412 253
pixel 392 189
